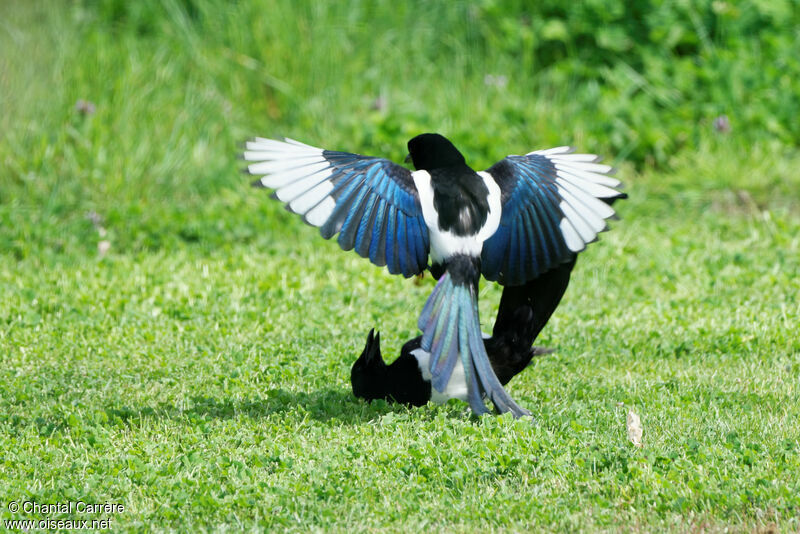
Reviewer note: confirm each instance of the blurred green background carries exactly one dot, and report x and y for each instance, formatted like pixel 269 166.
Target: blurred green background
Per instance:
pixel 173 340
pixel 175 85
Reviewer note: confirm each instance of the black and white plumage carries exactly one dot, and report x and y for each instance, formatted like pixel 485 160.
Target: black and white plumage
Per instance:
pixel 520 218
pixel 371 203
pixel 523 313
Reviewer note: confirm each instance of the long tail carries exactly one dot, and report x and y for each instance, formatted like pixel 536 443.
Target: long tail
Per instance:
pixel 451 329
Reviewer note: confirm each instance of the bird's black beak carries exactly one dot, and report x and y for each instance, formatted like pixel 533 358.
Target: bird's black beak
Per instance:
pixel 408 158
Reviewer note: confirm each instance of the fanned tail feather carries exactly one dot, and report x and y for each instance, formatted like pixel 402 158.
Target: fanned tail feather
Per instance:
pixel 438 322
pixel 451 329
pixel 492 386
pixel 466 343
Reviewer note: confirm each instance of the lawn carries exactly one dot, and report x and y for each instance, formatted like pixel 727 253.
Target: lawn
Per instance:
pixel 174 341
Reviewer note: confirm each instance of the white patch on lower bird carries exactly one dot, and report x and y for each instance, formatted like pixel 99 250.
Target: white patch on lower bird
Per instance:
pixel 456 387
pixel 445 244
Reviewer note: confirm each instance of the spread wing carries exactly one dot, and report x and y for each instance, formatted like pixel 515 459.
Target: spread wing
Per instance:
pixel 371 203
pixel 553 204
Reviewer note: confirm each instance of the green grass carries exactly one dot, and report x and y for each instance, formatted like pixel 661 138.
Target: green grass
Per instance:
pixel 198 373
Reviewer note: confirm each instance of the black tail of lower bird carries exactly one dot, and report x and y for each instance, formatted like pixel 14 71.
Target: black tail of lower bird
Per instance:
pixel 541 295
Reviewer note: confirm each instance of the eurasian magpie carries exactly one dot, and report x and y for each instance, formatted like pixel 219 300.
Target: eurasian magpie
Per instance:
pixel 518 219
pixel 523 312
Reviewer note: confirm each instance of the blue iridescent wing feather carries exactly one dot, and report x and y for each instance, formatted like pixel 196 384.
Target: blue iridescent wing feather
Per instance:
pixel 371 203
pixel 553 204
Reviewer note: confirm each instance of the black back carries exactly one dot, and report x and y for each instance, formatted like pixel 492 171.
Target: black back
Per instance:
pixel 459 194
pixel 460 198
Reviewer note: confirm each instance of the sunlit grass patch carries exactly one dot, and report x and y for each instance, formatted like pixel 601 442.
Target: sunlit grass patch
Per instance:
pixel 196 369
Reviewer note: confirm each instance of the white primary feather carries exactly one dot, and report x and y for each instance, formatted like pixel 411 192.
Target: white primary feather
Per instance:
pixel 590 158
pixel 321 212
pixel 280 179
pixel 278 165
pixel 596 223
pixel 551 151
pixel 598 207
pixel 299 174
pixel 261 143
pixel 269 155
pixel 593 188
pixel 298 143
pixel 580 225
pixel 571 237
pixel 599 168
pixel 589 176
pixel 311 198
pixel 293 190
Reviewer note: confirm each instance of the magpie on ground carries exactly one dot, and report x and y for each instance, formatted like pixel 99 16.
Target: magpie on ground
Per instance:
pixel 523 312
pixel 518 219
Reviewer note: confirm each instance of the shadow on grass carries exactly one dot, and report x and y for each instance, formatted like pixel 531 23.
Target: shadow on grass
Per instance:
pixel 327 405
pixel 322 405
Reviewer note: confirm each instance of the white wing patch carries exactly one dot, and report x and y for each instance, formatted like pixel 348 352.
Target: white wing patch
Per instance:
pixel 298 173
pixel 422 181
pixel 581 181
pixel 495 207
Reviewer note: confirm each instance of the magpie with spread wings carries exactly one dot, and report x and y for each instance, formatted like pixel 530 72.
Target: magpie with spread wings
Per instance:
pixel 519 218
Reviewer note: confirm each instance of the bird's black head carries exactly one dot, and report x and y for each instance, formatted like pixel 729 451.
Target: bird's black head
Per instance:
pixel 368 375
pixel 430 151
pixel 401 381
